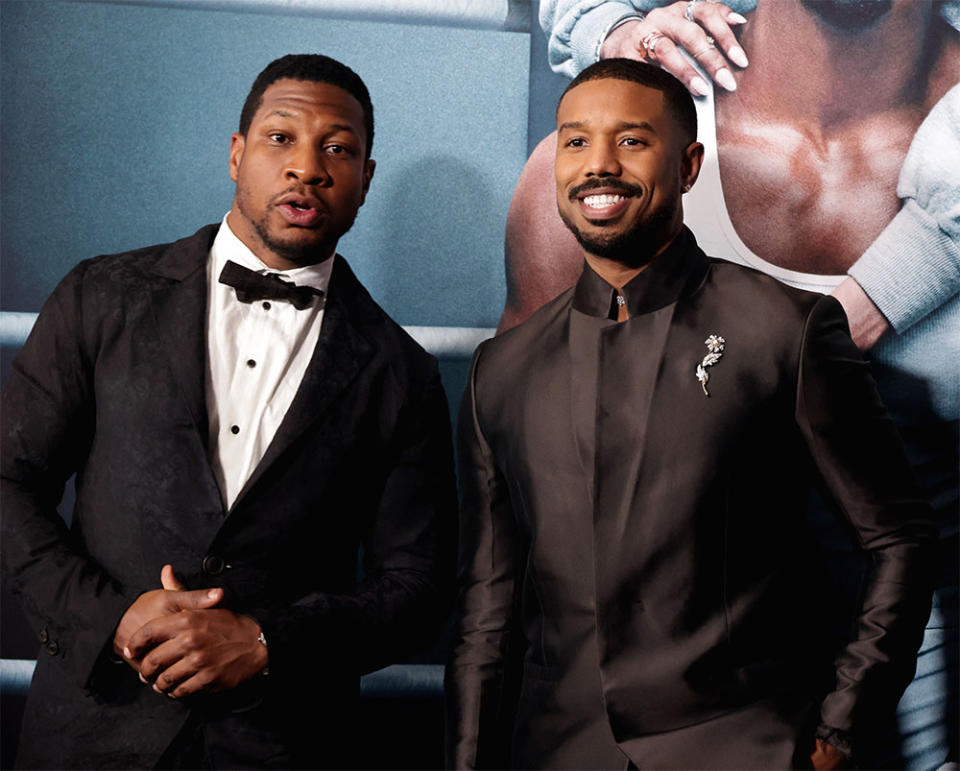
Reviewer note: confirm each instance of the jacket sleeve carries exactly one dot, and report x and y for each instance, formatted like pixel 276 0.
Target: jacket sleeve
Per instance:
pixel 48 424
pixel 477 702
pixel 858 454
pixel 409 553
pixel 914 265
pixel 576 29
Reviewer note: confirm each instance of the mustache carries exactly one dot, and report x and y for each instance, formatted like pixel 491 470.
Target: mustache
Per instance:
pixel 301 191
pixel 598 182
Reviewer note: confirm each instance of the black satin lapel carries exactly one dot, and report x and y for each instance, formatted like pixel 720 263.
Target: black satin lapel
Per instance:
pixel 631 355
pixel 180 312
pixel 341 352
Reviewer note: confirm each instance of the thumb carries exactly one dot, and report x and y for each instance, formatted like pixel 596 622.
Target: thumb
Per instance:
pixel 197 599
pixel 169 580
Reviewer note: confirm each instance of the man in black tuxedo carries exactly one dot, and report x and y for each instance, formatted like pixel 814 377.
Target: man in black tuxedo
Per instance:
pixel 237 437
pixel 637 586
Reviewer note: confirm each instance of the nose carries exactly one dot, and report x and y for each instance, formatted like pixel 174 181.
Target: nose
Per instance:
pixel 307 165
pixel 602 161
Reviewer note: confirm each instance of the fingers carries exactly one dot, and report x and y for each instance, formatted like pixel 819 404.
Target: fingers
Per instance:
pixel 668 56
pixel 192 651
pixel 187 600
pixel 169 580
pixel 691 36
pixel 716 19
pixel 197 599
pixel 162 627
pixel 147 606
pixel 185 675
pixel 160 659
pixel 176 672
pixel 151 634
pixel 200 681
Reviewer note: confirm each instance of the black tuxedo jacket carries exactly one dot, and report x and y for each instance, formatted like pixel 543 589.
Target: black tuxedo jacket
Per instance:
pixel 643 545
pixel 110 384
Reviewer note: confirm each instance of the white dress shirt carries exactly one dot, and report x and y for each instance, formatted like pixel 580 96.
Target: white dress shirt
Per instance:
pixel 257 354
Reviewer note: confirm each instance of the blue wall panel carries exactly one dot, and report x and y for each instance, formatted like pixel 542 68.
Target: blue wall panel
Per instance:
pixel 117 119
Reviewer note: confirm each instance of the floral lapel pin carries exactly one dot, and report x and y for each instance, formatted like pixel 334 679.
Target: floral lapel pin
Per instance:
pixel 714 345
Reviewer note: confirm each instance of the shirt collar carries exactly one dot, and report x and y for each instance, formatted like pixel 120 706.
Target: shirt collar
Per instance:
pixel 226 246
pixel 678 270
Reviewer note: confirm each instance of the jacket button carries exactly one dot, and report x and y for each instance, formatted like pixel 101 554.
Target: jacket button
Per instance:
pixel 52 648
pixel 44 636
pixel 213 564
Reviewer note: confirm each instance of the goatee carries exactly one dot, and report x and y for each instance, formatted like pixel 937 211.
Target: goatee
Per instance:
pixel 300 254
pixel 634 248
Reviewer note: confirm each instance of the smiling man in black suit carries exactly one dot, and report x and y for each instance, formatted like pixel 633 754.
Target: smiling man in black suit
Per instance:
pixel 638 587
pixel 242 418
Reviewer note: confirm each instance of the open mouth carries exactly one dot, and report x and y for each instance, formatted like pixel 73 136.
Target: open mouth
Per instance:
pixel 301 212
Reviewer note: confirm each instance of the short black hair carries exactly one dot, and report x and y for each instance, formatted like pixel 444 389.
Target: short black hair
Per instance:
pixel 677 98
pixel 315 68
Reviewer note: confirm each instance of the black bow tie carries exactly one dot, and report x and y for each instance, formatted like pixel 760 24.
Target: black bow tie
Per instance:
pixel 251 286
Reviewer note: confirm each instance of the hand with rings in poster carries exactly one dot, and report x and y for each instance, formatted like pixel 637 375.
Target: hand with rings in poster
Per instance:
pixel 702 27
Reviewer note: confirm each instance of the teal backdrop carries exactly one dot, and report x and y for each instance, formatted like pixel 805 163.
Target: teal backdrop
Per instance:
pixel 116 122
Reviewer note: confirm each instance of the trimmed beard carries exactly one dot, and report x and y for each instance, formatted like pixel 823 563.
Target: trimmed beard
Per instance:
pixel 299 254
pixel 635 247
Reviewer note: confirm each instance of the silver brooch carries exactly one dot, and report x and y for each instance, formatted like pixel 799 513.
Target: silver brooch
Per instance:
pixel 714 345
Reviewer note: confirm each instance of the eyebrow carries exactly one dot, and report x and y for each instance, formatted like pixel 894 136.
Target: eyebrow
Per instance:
pixel 641 125
pixel 280 112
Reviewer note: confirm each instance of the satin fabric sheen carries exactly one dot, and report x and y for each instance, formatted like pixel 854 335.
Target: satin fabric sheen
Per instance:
pixel 637 580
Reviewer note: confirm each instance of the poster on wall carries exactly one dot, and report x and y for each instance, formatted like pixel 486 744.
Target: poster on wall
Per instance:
pixel 831 133
pixel 828 164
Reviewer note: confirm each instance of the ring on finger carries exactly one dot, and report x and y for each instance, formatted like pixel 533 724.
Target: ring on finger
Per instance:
pixel 688 13
pixel 649 45
pixel 710 46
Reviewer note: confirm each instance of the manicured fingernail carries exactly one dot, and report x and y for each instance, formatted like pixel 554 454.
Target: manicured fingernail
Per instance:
pixel 143 679
pixel 736 18
pixel 126 653
pixel 738 56
pixel 699 86
pixel 725 79
pixel 212 594
pixel 157 689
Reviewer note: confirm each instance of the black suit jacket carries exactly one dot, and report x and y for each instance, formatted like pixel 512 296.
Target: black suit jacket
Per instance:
pixel 110 384
pixel 644 545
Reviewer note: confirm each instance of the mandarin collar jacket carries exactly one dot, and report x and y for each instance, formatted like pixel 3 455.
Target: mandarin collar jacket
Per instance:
pixel 636 580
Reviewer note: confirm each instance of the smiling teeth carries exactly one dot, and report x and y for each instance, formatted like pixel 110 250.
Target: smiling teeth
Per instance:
pixel 602 201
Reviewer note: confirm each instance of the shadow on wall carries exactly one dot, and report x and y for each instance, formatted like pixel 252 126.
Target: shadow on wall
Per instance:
pixel 443 211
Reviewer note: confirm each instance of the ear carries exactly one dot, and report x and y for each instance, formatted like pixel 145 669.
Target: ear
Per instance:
pixel 369 167
pixel 237 143
pixel 690 164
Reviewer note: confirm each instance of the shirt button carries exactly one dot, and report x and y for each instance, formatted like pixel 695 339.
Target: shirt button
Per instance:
pixel 234 429
pixel 251 363
pixel 266 305
pixel 44 636
pixel 52 647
